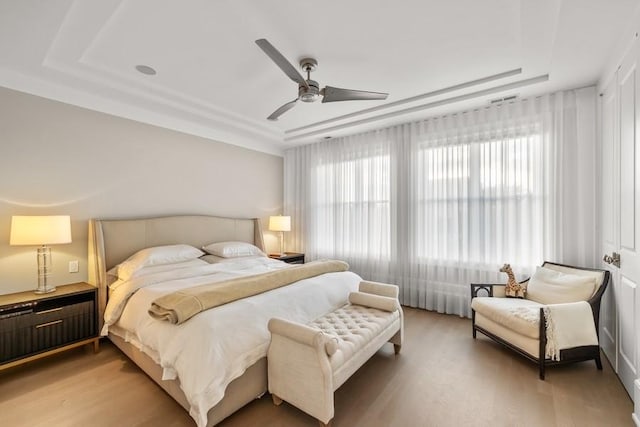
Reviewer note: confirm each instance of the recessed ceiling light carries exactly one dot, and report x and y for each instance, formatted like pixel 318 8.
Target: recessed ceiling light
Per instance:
pixel 145 69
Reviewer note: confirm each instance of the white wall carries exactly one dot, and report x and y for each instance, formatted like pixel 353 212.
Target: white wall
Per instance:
pixel 60 159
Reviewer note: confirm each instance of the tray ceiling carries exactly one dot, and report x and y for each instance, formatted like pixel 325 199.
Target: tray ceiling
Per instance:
pixel 212 80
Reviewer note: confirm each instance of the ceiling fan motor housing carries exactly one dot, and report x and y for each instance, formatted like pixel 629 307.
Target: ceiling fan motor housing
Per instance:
pixel 310 94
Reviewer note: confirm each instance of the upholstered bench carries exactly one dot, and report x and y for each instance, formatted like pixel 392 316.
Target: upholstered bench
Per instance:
pixel 307 363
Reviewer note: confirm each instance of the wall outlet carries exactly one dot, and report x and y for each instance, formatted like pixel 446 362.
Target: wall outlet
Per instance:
pixel 73 266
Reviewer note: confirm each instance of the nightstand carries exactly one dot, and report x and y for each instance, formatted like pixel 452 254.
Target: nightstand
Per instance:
pixel 289 257
pixel 34 326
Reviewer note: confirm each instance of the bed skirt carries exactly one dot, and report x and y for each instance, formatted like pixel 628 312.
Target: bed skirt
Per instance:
pixel 244 389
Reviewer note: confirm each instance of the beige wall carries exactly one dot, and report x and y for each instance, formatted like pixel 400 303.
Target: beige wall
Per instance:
pixel 60 159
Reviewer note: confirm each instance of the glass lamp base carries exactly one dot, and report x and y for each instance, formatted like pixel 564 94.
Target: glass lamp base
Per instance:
pixel 44 270
pixel 45 290
pixel 282 252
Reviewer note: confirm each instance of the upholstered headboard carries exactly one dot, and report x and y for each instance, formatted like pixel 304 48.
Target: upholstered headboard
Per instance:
pixel 113 241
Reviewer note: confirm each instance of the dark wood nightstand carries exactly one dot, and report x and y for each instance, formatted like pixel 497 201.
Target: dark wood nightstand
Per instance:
pixel 289 257
pixel 34 326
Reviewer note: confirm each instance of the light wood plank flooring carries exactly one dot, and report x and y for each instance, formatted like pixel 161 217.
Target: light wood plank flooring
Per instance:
pixel 442 377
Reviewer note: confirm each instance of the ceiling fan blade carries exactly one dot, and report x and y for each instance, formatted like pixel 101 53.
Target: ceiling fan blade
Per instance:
pixel 333 94
pixel 280 111
pixel 282 62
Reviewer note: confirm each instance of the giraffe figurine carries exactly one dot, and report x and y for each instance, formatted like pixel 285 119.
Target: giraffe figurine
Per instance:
pixel 513 288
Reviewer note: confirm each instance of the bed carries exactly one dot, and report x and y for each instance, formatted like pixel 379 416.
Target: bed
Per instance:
pixel 113 241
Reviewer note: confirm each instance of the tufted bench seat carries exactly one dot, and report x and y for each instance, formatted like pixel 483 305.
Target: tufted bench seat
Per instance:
pixel 307 363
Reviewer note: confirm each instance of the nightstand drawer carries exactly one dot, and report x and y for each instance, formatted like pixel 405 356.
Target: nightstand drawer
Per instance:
pixel 56 328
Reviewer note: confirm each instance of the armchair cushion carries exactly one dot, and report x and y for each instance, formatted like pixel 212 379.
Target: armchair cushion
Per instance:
pixel 548 286
pixel 519 315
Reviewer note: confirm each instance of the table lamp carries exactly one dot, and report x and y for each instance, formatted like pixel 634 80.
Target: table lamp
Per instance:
pixel 43 231
pixel 280 223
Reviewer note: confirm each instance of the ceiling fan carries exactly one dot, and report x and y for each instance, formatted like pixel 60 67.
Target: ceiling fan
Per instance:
pixel 309 90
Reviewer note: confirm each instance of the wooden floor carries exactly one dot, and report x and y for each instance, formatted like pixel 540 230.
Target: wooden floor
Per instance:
pixel 441 378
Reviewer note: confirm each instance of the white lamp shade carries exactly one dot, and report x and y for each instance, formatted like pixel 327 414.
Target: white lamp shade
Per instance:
pixel 280 223
pixel 40 230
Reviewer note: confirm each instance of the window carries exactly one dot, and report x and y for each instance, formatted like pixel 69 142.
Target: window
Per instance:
pixel 353 207
pixel 436 204
pixel 478 203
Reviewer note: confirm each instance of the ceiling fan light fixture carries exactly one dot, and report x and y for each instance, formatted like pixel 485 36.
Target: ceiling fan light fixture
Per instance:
pixel 309 94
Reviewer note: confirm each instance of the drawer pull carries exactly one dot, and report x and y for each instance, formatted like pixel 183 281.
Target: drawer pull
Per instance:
pixel 42 325
pixel 49 311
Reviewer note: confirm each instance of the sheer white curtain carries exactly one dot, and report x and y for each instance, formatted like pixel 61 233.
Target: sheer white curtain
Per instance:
pixel 434 205
pixel 338 193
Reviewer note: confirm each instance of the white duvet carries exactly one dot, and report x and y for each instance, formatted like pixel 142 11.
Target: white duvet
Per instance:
pixel 216 346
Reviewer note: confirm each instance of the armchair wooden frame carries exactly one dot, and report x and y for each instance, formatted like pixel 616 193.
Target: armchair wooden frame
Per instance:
pixel 575 354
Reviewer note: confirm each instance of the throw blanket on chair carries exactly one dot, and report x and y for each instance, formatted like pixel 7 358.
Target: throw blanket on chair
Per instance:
pixel 180 306
pixel 568 325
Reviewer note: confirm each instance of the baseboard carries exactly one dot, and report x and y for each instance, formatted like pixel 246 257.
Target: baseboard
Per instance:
pixel 636 399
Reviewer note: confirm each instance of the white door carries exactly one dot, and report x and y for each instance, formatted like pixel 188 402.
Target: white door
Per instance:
pixel 620 214
pixel 629 213
pixel 629 278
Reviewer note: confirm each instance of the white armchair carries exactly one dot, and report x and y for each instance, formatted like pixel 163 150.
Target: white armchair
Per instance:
pixel 555 301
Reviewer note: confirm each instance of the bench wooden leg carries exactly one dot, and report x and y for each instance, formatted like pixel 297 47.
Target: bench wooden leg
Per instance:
pixel 396 348
pixel 276 400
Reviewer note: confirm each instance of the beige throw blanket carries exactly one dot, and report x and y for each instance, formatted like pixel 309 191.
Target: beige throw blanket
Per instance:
pixel 568 325
pixel 180 306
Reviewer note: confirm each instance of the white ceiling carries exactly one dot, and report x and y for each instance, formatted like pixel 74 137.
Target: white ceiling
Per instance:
pixel 213 81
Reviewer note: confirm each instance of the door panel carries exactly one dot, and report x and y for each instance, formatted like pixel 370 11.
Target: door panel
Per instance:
pixel 627 337
pixel 608 166
pixel 627 158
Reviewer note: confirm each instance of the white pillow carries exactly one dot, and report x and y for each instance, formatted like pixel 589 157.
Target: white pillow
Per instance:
pixel 232 249
pixel 213 259
pixel 548 286
pixel 152 269
pixel 158 255
pixel 161 268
